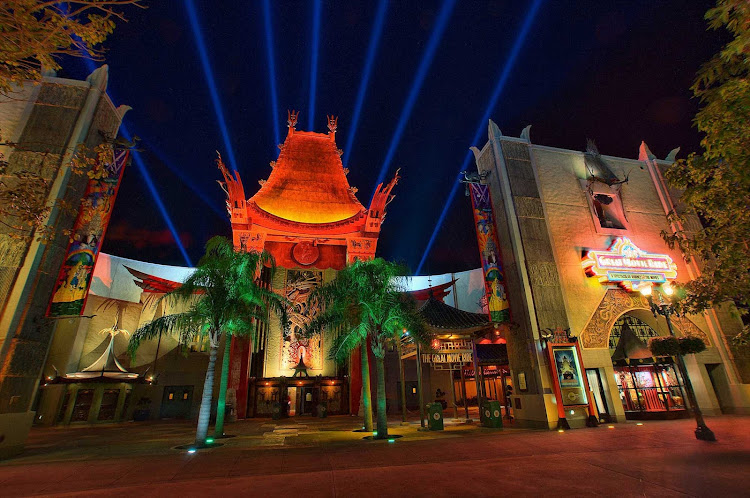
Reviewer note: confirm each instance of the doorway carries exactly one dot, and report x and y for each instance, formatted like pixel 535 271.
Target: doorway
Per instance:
pixel 720 384
pixel 176 402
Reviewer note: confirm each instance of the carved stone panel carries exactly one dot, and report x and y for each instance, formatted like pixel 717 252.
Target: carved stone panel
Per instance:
pixel 618 301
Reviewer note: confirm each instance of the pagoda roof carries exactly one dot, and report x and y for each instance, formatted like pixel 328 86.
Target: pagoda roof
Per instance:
pixel 439 315
pixel 308 183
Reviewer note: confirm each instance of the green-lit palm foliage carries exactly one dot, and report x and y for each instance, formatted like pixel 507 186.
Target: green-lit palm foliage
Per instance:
pixel 365 301
pixel 221 297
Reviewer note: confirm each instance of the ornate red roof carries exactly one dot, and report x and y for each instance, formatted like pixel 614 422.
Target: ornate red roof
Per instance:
pixel 308 183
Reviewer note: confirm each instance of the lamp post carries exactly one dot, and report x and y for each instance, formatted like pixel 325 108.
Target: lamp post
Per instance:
pixel 661 305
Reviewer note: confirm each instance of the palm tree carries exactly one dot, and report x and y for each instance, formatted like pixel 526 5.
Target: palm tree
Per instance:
pixel 366 301
pixel 221 297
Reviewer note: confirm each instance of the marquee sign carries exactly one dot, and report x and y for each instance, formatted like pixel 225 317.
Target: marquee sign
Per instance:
pixel 452 351
pixel 625 264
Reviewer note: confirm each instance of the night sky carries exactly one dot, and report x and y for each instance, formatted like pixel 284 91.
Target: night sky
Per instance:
pixel 616 72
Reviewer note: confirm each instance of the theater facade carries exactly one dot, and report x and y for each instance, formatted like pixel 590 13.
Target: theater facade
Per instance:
pixel 580 241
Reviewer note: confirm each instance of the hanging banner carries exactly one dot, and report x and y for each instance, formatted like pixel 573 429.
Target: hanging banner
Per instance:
pixel 489 253
pixel 72 286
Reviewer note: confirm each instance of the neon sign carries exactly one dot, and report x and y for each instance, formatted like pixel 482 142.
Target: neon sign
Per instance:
pixel 627 265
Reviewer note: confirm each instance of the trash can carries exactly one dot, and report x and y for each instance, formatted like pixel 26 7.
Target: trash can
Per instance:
pixel 322 410
pixel 276 410
pixel 492 414
pixel 435 416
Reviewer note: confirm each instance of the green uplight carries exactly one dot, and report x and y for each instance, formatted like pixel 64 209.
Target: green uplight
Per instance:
pixel 374 433
pixel 209 440
pixel 391 440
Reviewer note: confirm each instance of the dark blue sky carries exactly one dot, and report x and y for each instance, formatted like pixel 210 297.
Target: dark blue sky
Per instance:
pixel 617 72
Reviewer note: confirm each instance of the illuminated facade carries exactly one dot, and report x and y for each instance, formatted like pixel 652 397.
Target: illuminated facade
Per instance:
pixel 308 217
pixel 44 121
pixel 580 236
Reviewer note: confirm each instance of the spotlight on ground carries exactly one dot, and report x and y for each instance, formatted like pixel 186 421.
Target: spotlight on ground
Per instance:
pixel 499 86
pixel 155 194
pixel 437 33
pixel 271 70
pixel 210 81
pixel 372 48
pixel 314 47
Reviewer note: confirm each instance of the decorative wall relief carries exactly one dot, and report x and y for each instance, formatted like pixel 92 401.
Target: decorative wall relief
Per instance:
pixel 294 345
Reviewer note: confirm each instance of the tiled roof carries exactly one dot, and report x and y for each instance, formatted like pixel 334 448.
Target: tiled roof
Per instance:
pixel 439 315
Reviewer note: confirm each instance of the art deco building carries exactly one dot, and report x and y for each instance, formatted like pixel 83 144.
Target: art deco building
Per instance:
pixel 580 236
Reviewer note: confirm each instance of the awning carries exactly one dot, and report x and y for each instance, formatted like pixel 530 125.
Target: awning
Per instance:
pixel 492 354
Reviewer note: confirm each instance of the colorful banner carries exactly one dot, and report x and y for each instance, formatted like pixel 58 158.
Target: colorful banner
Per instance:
pixel 71 289
pixel 489 252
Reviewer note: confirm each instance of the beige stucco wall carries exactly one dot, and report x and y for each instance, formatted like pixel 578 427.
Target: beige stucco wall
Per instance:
pixel 571 225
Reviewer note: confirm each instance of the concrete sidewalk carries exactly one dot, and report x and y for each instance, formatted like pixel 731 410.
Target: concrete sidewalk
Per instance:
pixel 324 458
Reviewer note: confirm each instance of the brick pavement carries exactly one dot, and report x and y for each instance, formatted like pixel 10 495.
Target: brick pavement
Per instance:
pixel 311 457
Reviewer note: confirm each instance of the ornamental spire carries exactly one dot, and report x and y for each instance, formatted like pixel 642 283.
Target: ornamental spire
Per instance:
pixel 332 123
pixel 291 119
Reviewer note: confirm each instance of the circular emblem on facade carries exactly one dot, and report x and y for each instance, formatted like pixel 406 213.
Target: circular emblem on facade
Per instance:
pixel 497 413
pixel 305 253
pixel 487 413
pixel 436 416
pixel 572 395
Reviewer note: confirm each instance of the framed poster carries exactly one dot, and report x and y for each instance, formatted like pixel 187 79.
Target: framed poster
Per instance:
pixel 569 376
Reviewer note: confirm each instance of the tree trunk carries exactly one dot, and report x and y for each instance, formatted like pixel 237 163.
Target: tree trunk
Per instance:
pixel 366 392
pixel 208 387
pixel 382 415
pixel 222 403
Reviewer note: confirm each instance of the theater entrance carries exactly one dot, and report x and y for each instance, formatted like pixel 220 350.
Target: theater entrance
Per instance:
pixel 649 388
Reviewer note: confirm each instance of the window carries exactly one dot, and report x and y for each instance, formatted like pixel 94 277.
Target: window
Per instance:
pixel 606 207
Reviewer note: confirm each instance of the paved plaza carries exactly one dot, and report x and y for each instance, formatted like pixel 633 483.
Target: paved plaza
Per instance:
pixel 313 457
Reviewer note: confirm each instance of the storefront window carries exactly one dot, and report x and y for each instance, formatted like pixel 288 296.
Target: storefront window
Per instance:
pixel 649 388
pixel 645 387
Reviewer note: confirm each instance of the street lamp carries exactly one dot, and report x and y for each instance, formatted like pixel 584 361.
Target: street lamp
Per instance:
pixel 661 304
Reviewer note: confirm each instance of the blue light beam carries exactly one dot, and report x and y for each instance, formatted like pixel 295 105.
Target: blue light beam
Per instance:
pixel 429 53
pixel 155 194
pixel 271 70
pixel 501 81
pixel 209 75
pixel 186 180
pixel 317 8
pixel 372 48
pixel 91 67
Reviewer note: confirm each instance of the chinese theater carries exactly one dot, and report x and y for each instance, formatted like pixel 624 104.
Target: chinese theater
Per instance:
pixel 308 217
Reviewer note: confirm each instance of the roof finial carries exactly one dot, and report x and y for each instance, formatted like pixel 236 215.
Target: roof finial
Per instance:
pixel 332 122
pixel 291 120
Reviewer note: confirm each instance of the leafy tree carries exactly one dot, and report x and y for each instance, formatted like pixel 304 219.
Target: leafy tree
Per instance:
pixel 35 33
pixel 364 304
pixel 222 297
pixel 716 182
